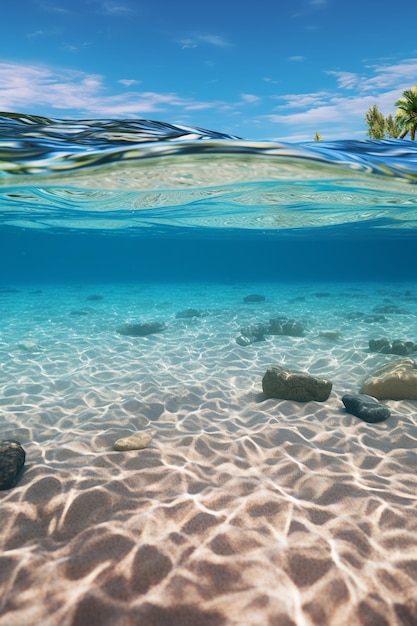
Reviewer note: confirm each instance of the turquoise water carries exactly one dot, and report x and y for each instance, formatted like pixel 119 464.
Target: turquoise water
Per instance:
pixel 243 511
pixel 137 199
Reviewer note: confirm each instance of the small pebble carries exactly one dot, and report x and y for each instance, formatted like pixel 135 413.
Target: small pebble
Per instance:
pixel 330 334
pixel 137 441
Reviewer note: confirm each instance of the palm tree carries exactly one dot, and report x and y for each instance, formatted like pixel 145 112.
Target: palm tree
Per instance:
pixel 406 115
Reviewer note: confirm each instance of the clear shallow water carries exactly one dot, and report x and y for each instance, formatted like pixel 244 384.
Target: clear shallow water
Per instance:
pixel 156 179
pixel 109 199
pixel 241 511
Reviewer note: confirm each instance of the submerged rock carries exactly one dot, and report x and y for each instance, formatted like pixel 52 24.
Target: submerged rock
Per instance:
pixel 137 441
pixel 94 297
pixel 29 345
pixel 254 297
pixel 279 382
pixel 284 326
pixel 275 326
pixel 141 330
pixel 334 335
pixel 355 315
pixel 383 345
pixel 12 460
pixel 188 314
pixel 251 334
pixel 368 318
pixel 388 308
pixel 395 381
pixel 374 319
pixel 366 408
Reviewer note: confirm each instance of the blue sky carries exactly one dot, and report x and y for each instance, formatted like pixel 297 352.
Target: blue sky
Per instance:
pixel 259 69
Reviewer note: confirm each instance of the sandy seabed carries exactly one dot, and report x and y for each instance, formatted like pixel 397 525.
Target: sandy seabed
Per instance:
pixel 242 511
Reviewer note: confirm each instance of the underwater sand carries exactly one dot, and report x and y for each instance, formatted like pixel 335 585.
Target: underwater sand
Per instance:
pixel 242 511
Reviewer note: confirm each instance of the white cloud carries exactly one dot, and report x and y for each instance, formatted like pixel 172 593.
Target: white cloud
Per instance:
pixel 382 76
pixel 188 43
pixel 343 109
pixel 212 40
pixel 70 47
pixel 296 58
pixel 303 100
pixel 54 8
pixel 42 33
pixel 23 85
pixel 345 80
pixel 249 98
pixel 116 8
pixel 128 82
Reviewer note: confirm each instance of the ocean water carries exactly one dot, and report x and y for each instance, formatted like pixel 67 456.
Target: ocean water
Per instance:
pixel 243 510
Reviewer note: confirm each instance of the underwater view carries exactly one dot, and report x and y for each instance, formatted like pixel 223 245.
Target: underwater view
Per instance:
pixel 208 384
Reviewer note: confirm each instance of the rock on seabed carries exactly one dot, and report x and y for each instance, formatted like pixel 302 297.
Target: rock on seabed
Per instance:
pixel 141 330
pixel 284 384
pixel 366 408
pixel 137 441
pixel 395 381
pixel 12 460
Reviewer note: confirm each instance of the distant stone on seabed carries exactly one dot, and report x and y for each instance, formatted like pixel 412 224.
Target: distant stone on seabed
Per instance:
pixel 383 345
pixel 12 460
pixel 334 335
pixel 188 314
pixel 29 345
pixel 141 330
pixel 254 297
pixel 94 297
pixel 367 318
pixel 366 408
pixel 388 308
pixel 395 381
pixel 284 384
pixel 251 334
pixel 137 441
pixel 284 326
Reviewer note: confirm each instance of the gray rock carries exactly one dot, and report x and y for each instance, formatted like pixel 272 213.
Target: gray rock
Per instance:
pixel 254 297
pixel 12 460
pixel 94 298
pixel 188 314
pixel 251 334
pixel 366 408
pixel 284 326
pixel 374 319
pixel 29 345
pixel 401 348
pixel 242 340
pixel 141 330
pixel 279 382
pixel 388 308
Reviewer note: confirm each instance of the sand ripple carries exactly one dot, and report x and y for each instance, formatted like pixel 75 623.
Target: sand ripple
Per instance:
pixel 242 511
